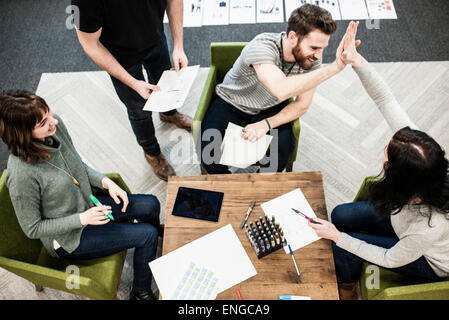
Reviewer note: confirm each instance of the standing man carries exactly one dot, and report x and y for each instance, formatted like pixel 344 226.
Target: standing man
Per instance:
pixel 121 37
pixel 271 69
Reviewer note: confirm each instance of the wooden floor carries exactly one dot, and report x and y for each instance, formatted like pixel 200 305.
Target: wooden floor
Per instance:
pixel 342 135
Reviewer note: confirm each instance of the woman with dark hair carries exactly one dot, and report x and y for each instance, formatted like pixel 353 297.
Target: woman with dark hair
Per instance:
pixel 404 226
pixel 50 185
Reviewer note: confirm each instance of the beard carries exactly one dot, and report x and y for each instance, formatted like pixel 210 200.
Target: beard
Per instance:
pixel 302 59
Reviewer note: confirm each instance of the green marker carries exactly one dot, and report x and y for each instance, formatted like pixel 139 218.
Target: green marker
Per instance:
pixel 98 203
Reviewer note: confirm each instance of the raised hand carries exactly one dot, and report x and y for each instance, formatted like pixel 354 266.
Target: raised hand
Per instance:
pixel 349 54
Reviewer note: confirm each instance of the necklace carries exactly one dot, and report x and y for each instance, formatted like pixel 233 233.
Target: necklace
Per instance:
pixel 67 173
pixel 281 53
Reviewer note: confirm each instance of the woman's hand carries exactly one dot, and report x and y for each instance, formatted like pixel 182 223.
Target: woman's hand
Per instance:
pixel 94 216
pixel 255 131
pixel 115 192
pixel 349 54
pixel 325 229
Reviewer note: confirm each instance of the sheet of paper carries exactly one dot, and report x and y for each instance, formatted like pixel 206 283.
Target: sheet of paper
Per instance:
pixel 291 5
pixel 296 230
pixel 353 10
pixel 174 88
pixel 219 251
pixel 270 11
pixel 330 5
pixel 193 13
pixel 197 283
pixel 381 9
pixel 242 11
pixel 241 153
pixel 215 12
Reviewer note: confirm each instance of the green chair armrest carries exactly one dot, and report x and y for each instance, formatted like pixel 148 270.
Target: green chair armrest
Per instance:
pixel 40 275
pixel 424 291
pixel 117 178
pixel 296 128
pixel 205 100
pixel 363 193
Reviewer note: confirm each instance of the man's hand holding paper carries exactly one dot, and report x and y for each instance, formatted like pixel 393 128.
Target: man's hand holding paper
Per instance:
pixel 240 152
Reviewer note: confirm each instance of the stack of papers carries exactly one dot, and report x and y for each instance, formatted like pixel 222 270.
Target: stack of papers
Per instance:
pixel 295 227
pixel 241 153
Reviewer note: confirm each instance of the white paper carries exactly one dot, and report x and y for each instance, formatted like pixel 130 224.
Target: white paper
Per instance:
pixel 270 11
pixel 215 12
pixel 242 11
pixel 291 5
pixel 330 5
pixel 193 13
pixel 219 251
pixel 165 17
pixel 241 153
pixel 353 10
pixel 174 88
pixel 295 227
pixel 381 9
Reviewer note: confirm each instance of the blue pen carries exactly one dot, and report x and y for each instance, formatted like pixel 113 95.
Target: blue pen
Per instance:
pixel 174 90
pixel 290 297
pixel 294 262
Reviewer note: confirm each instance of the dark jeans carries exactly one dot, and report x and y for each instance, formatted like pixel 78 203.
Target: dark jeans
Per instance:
pixel 359 220
pixel 220 113
pixel 119 235
pixel 141 121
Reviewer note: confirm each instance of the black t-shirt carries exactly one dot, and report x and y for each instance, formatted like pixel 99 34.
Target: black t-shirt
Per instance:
pixel 130 27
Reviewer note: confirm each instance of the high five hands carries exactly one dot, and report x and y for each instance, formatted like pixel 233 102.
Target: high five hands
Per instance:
pixel 347 50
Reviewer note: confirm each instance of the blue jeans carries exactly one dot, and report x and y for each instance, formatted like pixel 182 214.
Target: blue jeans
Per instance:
pixel 359 220
pixel 220 113
pixel 141 121
pixel 119 235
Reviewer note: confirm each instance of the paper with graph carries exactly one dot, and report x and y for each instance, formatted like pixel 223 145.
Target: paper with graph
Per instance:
pixel 174 88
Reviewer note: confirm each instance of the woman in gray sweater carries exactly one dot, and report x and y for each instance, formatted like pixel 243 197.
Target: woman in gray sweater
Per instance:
pixel 404 226
pixel 50 188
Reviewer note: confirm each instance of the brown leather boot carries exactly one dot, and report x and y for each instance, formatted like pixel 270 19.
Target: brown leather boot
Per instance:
pixel 348 291
pixel 160 166
pixel 181 120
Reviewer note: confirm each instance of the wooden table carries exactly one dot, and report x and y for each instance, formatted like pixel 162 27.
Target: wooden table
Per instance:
pixel 276 273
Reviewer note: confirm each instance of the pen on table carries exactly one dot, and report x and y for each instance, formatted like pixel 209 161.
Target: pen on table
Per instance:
pixel 290 297
pixel 98 204
pixel 248 212
pixel 173 90
pixel 294 262
pixel 303 215
pixel 238 293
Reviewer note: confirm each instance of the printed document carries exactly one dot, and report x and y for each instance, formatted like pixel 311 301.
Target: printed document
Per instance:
pixel 219 252
pixel 174 88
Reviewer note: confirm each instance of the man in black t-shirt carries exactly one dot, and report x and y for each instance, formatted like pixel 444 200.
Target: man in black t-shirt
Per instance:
pixel 120 36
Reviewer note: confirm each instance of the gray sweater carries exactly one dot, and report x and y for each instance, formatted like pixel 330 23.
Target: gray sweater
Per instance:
pixel 46 201
pixel 416 238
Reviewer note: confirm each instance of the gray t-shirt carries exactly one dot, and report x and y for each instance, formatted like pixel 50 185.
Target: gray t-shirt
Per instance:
pixel 242 88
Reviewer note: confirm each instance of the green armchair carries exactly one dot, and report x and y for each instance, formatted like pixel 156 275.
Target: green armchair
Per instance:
pixel 393 286
pixel 27 258
pixel 222 58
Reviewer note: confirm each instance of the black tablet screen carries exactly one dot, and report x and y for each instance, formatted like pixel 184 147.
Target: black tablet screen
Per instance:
pixel 198 204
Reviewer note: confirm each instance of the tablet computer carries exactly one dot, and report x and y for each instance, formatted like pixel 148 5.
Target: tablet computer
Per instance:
pixel 198 204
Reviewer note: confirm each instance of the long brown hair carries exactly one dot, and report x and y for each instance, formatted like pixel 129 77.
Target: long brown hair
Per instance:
pixel 20 111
